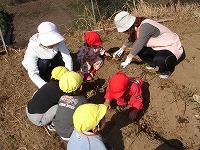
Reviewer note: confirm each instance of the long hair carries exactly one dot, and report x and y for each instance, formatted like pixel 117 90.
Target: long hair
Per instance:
pixel 133 35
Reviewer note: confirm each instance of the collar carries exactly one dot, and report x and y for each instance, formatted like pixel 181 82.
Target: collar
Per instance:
pixel 88 133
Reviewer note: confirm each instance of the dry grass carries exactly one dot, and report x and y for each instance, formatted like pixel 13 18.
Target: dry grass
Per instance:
pixel 186 14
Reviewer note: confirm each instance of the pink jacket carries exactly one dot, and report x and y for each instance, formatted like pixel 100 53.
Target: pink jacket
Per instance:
pixel 166 40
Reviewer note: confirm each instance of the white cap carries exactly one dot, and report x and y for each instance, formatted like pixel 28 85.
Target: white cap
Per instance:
pixel 48 34
pixel 124 21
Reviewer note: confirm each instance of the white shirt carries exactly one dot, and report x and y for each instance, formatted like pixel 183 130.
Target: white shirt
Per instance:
pixel 35 50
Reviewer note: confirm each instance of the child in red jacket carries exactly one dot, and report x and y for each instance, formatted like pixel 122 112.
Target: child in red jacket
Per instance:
pixel 127 91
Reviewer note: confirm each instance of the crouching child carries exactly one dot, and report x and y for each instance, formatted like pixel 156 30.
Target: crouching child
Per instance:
pixel 127 91
pixel 88 120
pixel 71 84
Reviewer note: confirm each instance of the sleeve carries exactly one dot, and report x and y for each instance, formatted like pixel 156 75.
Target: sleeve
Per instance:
pixel 66 55
pixel 136 99
pixel 107 95
pixel 128 43
pixel 146 31
pixel 81 54
pixel 30 64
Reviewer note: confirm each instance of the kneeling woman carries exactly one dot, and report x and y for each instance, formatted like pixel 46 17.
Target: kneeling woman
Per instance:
pixel 154 43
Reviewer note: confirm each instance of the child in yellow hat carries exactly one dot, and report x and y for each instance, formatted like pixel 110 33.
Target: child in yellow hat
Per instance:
pixel 71 84
pixel 88 120
pixel 43 105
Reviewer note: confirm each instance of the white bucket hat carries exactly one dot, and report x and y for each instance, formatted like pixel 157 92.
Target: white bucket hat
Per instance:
pixel 48 34
pixel 124 21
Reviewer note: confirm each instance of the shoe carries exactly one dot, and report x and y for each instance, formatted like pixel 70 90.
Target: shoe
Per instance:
pixel 87 77
pixel 165 75
pixel 92 72
pixel 147 66
pixel 65 139
pixel 121 108
pixel 51 127
pixel 196 98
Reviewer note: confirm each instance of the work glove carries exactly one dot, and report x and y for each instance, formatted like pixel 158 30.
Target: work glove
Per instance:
pixel 126 62
pixel 118 53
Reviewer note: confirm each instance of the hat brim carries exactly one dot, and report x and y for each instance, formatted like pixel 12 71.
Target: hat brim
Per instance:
pixel 98 43
pixel 117 95
pixel 50 38
pixel 127 25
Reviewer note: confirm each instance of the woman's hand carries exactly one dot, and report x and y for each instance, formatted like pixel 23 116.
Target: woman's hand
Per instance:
pixel 118 53
pixel 126 62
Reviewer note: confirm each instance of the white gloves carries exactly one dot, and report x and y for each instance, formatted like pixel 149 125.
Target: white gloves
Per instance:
pixel 126 62
pixel 118 53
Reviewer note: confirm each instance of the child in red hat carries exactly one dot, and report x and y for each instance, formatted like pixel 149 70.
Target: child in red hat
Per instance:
pixel 89 54
pixel 127 91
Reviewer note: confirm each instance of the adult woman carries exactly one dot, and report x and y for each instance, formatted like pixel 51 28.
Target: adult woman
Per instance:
pixel 45 51
pixel 154 43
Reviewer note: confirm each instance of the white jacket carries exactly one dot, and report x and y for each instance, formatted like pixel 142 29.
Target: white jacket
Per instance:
pixel 35 50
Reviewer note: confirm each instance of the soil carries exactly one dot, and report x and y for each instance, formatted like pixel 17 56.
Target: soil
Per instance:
pixel 167 121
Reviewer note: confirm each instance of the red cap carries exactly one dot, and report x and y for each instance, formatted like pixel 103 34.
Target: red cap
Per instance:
pixel 118 84
pixel 93 38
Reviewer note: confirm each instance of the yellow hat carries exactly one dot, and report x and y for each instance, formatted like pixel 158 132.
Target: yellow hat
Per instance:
pixel 57 72
pixel 88 116
pixel 70 81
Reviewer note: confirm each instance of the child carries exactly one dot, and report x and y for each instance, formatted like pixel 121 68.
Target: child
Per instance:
pixel 43 105
pixel 126 91
pixel 71 84
pixel 88 120
pixel 89 55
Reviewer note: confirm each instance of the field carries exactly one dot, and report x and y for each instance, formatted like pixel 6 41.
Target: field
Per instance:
pixel 168 120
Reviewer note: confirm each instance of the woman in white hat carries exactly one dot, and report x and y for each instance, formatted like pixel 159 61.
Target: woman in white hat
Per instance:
pixel 46 48
pixel 154 43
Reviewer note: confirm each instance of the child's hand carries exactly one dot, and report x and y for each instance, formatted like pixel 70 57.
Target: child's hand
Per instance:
pixel 133 114
pixel 107 103
pixel 108 54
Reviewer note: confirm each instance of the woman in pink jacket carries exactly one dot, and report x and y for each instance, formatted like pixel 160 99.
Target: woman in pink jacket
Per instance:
pixel 154 43
pixel 127 91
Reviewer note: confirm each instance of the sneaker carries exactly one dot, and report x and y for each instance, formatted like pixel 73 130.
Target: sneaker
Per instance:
pixel 165 75
pixel 121 108
pixel 147 66
pixel 196 98
pixel 87 77
pixel 65 139
pixel 51 127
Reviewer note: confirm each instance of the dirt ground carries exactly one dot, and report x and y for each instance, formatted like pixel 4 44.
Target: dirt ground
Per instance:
pixel 167 122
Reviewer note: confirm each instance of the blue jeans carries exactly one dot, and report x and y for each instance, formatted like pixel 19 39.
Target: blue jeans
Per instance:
pixel 45 66
pixel 164 59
